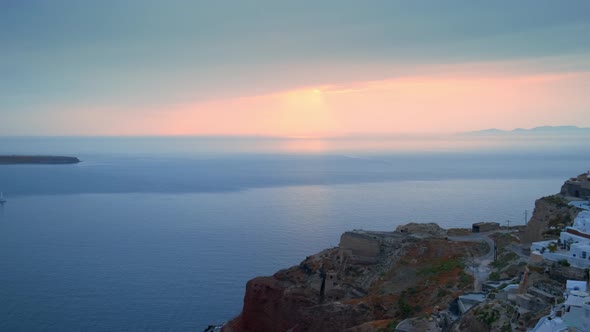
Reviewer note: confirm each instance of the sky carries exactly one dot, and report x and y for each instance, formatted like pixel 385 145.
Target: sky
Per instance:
pixel 291 68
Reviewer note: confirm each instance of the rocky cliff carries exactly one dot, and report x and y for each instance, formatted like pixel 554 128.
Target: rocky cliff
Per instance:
pixel 550 215
pixel 369 282
pixel 374 280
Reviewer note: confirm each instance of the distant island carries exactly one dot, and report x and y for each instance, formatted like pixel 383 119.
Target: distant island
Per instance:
pixel 546 130
pixel 13 159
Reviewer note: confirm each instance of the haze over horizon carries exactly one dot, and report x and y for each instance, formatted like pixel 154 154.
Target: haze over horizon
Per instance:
pixel 264 68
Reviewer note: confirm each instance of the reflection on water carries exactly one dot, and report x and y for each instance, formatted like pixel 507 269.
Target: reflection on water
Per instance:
pixel 198 146
pixel 162 233
pixel 178 262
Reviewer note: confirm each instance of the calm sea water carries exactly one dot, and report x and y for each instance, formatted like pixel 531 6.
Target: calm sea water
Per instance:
pixel 162 234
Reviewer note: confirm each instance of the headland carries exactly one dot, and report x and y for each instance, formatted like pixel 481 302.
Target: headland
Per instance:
pixel 421 277
pixel 18 159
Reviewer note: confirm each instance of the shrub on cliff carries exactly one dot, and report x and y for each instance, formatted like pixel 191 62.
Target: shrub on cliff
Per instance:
pixel 557 200
pixel 494 276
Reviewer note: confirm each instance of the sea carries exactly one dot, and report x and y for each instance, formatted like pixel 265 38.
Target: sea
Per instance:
pixel 162 233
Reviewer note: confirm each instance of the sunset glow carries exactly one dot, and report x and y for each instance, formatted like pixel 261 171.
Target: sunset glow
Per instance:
pixel 155 155
pixel 420 104
pixel 295 73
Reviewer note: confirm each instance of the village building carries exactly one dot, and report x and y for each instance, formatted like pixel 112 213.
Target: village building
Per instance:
pixel 481 227
pixel 573 244
pixel 572 315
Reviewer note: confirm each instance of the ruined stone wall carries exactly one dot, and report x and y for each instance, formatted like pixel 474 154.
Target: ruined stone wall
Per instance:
pixel 359 247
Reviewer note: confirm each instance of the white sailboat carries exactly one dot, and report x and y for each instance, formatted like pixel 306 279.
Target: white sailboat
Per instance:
pixel 2 199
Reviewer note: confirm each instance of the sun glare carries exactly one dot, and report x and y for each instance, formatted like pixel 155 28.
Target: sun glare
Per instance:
pixel 304 113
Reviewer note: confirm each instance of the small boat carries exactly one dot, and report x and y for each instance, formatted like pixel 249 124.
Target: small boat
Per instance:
pixel 2 199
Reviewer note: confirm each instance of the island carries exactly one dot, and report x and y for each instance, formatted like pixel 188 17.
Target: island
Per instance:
pixel 16 159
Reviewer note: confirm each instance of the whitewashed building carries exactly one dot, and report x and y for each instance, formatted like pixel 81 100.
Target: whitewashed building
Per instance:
pixel 573 244
pixel 572 315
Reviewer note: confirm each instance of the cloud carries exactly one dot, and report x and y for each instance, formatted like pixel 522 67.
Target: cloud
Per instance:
pixel 91 59
pixel 408 104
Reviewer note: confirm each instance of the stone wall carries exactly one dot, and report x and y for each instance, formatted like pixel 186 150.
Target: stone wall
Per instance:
pixel 579 189
pixel 564 273
pixel 359 247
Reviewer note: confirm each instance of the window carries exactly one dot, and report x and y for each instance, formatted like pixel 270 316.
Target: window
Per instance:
pixel 584 254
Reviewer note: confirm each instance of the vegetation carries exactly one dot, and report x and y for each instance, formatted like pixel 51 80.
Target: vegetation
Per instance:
pixel 442 293
pixel 442 266
pixel 563 262
pixel 504 260
pixel 494 276
pixel 487 317
pixel 464 279
pixel 506 328
pixel 404 308
pixel 556 200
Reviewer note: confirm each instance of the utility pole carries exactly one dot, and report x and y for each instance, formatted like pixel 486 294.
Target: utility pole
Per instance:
pixel 323 286
pixel 508 223
pixel 495 250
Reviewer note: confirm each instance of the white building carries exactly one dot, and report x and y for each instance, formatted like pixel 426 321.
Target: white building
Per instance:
pixel 573 315
pixel 573 244
pixel 572 285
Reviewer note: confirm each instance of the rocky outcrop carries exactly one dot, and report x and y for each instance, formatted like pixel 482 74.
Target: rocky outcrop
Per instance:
pixel 578 187
pixel 370 281
pixel 426 229
pixel 550 215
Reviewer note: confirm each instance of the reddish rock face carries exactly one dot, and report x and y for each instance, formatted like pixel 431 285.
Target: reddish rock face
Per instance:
pixel 261 304
pixel 268 307
pixel 355 294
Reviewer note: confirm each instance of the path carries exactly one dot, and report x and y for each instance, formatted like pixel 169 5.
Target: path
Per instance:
pixel 480 266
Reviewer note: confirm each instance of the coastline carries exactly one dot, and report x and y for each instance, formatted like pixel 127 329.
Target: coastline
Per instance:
pixel 421 277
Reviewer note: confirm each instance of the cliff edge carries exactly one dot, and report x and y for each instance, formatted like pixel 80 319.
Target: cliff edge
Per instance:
pixel 552 213
pixel 364 284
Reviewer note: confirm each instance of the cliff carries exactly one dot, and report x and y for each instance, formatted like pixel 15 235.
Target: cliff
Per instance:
pixel 369 282
pixel 38 160
pixel 550 215
pixel 374 280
